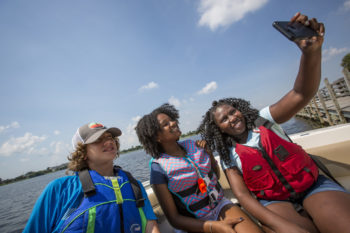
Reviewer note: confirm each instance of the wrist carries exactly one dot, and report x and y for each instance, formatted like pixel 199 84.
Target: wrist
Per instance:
pixel 307 52
pixel 208 227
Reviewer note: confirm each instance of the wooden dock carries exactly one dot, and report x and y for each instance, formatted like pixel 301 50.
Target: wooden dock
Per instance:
pixel 331 105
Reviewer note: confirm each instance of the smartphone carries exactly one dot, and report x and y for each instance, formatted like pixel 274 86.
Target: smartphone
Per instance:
pixel 294 31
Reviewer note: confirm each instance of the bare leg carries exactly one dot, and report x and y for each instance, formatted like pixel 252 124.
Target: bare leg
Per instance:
pixel 233 211
pixel 330 211
pixel 287 211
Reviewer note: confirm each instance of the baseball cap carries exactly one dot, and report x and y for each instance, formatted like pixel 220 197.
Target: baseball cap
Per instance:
pixel 90 132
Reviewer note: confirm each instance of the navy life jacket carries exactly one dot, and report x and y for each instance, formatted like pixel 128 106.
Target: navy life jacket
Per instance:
pixel 108 205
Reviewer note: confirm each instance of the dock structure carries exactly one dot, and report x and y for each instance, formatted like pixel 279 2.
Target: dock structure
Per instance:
pixel 331 105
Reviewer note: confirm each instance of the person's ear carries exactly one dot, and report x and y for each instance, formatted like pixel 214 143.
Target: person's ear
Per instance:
pixel 158 139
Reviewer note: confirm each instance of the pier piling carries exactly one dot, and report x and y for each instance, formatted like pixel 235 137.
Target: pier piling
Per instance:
pixel 331 104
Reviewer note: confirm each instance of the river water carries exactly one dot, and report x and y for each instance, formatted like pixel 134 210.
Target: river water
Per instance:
pixel 17 199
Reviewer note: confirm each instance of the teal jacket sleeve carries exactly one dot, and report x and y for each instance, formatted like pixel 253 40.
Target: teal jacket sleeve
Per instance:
pixel 57 199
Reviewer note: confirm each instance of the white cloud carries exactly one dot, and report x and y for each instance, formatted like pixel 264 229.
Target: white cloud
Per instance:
pixel 210 87
pixel 174 101
pixel 54 155
pixel 26 144
pixel 222 13
pixel 136 119
pixel 129 137
pixel 347 5
pixel 149 86
pixel 58 147
pixel 331 52
pixel 56 132
pixel 14 125
pixel 24 160
pixel 58 152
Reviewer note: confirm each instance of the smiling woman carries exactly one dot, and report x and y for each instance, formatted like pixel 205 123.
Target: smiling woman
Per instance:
pixel 97 195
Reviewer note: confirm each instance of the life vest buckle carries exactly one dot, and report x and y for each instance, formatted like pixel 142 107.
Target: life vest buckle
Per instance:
pixel 213 196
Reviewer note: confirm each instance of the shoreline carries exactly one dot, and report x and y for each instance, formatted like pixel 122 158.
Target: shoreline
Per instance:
pixel 32 174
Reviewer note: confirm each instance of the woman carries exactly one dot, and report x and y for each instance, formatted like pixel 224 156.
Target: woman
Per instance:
pixel 258 157
pixel 101 197
pixel 184 178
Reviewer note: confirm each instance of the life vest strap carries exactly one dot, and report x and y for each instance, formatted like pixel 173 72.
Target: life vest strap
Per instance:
pixel 204 202
pixel 86 183
pixel 323 167
pixel 260 121
pixel 140 200
pixel 194 188
pixel 277 172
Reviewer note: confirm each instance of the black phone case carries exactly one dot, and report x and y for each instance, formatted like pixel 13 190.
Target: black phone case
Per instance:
pixel 294 31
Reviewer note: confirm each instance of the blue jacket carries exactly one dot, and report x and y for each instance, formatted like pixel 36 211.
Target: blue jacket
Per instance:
pixel 63 198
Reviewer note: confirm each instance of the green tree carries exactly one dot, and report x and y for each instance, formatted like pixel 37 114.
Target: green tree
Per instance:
pixel 346 61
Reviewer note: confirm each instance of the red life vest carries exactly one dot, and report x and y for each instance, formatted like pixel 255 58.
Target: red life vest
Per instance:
pixel 281 170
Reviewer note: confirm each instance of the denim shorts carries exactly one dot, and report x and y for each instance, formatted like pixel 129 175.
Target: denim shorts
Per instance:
pixel 322 184
pixel 213 215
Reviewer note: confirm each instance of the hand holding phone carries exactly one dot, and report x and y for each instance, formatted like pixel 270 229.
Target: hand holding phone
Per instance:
pixel 294 30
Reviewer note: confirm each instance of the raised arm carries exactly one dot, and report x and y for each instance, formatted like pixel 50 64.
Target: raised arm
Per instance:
pixel 308 79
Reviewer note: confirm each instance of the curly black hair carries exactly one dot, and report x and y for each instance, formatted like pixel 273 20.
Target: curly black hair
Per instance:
pixel 210 132
pixel 148 127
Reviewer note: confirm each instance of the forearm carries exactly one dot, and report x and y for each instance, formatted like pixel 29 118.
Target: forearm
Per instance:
pixel 309 75
pixel 187 223
pixel 170 210
pixel 263 214
pixel 152 227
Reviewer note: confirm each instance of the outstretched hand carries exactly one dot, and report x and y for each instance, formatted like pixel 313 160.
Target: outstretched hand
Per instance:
pixel 313 43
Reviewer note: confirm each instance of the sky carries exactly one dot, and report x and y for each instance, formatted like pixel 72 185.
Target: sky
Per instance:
pixel 65 63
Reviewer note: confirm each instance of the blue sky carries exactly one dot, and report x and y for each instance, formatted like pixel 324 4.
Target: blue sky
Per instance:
pixel 66 63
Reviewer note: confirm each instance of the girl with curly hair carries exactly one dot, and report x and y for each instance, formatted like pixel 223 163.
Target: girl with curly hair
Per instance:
pixel 258 158
pixel 184 178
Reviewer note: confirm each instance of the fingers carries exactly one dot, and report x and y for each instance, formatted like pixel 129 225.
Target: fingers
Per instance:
pixel 295 17
pixel 319 27
pixel 233 221
pixel 302 19
pixel 201 143
pixel 314 24
pixel 221 226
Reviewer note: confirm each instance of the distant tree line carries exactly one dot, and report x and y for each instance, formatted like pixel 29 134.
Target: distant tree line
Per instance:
pixel 32 174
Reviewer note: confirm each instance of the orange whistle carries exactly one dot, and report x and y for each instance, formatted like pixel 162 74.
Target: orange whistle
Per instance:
pixel 202 186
